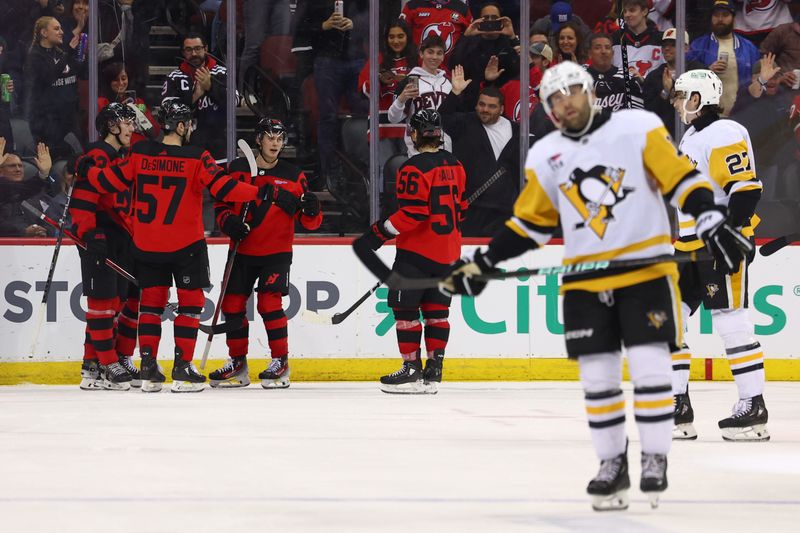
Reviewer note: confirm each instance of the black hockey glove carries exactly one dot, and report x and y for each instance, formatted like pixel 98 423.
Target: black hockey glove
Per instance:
pixel 287 201
pixel 309 204
pixel 234 228
pixel 461 278
pixel 96 245
pixel 267 193
pixel 376 236
pixel 726 244
pixel 83 165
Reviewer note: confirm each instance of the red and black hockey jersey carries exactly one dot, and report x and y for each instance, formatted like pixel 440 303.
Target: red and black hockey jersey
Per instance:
pixel 168 184
pixel 644 50
pixel 89 208
pixel 430 198
pixel 271 228
pixel 449 20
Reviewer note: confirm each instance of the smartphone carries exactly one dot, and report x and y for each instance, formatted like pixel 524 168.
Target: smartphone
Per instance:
pixel 723 56
pixel 490 25
pixel 130 97
pixel 413 80
pixel 338 7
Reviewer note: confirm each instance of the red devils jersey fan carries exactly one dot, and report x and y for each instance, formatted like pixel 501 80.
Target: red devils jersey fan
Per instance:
pixel 102 221
pixel 264 255
pixel 168 180
pixel 448 19
pixel 430 197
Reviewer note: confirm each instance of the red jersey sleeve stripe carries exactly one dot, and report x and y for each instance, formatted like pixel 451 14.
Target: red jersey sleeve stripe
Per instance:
pixel 222 191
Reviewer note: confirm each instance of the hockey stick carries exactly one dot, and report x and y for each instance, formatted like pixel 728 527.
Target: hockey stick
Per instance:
pixel 626 75
pixel 325 319
pixel 52 271
pixel 231 325
pixel 251 162
pixel 776 244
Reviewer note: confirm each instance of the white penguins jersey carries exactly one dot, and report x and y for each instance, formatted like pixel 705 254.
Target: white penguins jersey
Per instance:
pixel 608 188
pixel 723 151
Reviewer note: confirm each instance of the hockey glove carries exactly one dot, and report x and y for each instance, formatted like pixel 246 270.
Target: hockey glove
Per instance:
pixel 461 279
pixel 83 165
pixel 96 245
pixel 267 193
pixel 234 228
pixel 309 204
pixel 726 244
pixel 376 236
pixel 287 201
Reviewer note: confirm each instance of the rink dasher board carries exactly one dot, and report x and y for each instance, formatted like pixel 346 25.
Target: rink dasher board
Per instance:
pixel 513 324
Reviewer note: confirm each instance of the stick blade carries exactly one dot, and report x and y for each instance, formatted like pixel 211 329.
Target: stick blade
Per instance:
pixel 317 318
pixel 773 246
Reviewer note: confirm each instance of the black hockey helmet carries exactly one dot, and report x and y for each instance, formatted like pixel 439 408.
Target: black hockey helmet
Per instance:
pixel 173 112
pixel 427 123
pixel 273 126
pixel 111 115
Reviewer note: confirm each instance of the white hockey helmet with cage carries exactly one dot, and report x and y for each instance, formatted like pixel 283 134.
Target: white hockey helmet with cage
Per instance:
pixel 701 81
pixel 560 78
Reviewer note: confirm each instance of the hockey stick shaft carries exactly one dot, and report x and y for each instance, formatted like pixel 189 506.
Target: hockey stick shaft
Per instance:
pixel 626 75
pixel 777 244
pixel 488 183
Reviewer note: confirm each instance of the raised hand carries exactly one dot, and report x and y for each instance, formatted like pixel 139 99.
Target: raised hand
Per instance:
pixel 43 160
pixel 493 70
pixel 457 80
pixel 768 67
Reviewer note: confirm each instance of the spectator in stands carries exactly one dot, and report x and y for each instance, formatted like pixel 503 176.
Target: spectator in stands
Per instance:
pixel 538 37
pixel 642 40
pixel 609 82
pixel 57 201
pixel 425 87
pixel 755 19
pixel 730 56
pixel 476 47
pixel 200 83
pixel 114 88
pixel 14 188
pixel 569 44
pixel 74 20
pixel 5 107
pixel 337 46
pixel 262 18
pixel 661 14
pixel 784 43
pixel 125 36
pixel 485 142
pixel 658 84
pixel 560 14
pixel 50 86
pixel 447 19
pixel 540 57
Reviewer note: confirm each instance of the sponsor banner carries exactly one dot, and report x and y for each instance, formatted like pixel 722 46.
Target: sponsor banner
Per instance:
pixel 514 318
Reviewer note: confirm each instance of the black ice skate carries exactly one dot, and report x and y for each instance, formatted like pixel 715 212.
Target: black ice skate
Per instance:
pixel 90 375
pixel 432 375
pixel 748 421
pixel 684 416
pixel 234 374
pixel 654 476
pixel 151 374
pixel 407 380
pixel 114 377
pixel 127 364
pixel 276 376
pixel 609 488
pixel 186 378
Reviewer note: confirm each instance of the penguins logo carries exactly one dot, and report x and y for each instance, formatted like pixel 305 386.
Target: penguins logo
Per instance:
pixel 657 318
pixel 712 289
pixel 594 194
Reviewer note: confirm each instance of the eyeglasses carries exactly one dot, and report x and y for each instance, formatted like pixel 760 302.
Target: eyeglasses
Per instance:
pixel 194 49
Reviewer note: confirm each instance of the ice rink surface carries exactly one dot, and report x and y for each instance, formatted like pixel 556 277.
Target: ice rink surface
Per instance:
pixel 489 457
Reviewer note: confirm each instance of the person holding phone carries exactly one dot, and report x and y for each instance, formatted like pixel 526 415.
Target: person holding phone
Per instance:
pixel 114 88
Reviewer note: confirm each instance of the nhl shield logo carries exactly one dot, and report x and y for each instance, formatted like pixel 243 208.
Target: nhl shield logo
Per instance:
pixel 186 280
pixel 712 289
pixel 657 318
pixel 594 194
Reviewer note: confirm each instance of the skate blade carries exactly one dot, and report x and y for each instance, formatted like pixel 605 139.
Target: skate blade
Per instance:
pixel 653 499
pixel 187 386
pixel 281 383
pixel 151 386
pixel 90 384
pixel 757 433
pixel 416 387
pixel 684 432
pixel 230 383
pixel 610 502
pixel 108 385
pixel 136 383
pixel 431 387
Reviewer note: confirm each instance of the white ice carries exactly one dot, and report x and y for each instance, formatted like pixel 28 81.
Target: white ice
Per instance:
pixel 489 457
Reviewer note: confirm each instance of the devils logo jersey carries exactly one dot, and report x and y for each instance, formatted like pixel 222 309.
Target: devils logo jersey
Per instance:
pixel 608 189
pixel 760 16
pixel 448 20
pixel 644 50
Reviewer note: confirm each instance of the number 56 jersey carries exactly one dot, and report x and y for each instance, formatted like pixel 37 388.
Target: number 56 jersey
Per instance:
pixel 608 187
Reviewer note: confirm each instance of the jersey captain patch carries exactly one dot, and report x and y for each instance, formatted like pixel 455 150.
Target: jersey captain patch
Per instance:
pixel 594 193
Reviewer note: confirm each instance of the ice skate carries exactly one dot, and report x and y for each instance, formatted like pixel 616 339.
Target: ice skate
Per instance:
pixel 186 378
pixel 684 418
pixel 609 488
pixel 654 476
pixel 432 375
pixel 232 375
pixel 407 380
pixel 748 421
pixel 151 374
pixel 90 375
pixel 127 364
pixel 276 376
pixel 114 377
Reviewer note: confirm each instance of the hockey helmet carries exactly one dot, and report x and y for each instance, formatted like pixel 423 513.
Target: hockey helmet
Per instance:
pixel 173 112
pixel 427 123
pixel 271 126
pixel 700 81
pixel 111 115
pixel 560 78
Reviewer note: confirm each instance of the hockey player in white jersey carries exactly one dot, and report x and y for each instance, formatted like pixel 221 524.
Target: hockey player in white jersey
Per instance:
pixel 606 176
pixel 720 148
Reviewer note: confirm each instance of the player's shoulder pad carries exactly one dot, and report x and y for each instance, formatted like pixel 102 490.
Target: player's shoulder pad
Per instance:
pixel 188 151
pixel 147 147
pixel 426 161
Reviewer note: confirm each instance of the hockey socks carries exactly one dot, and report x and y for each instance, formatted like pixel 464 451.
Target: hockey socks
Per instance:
pixel 151 307
pixel 270 307
pixel 653 405
pixel 190 305
pixel 681 362
pixel 409 332
pixel 601 377
pixel 437 327
pixel 744 353
pixel 100 327
pixel 234 306
pixel 127 326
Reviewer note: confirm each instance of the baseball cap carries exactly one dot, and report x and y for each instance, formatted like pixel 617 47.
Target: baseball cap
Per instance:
pixel 724 4
pixel 672 34
pixel 542 49
pixel 560 13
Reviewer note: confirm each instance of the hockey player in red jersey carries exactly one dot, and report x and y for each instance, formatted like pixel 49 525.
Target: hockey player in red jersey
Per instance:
pixel 168 180
pixel 448 19
pixel 427 226
pixel 102 221
pixel 264 255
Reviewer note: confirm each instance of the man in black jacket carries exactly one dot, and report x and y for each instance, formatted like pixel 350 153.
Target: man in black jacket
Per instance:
pixel 485 142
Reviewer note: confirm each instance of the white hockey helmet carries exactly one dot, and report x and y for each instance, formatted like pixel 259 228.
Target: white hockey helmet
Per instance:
pixel 701 81
pixel 560 78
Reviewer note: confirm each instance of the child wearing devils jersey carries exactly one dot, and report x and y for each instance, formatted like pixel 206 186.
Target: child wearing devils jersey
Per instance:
pixel 168 180
pixel 430 190
pixel 103 222
pixel 264 255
